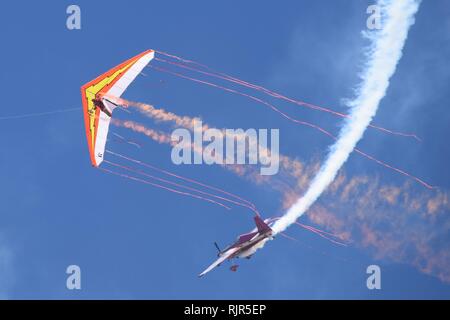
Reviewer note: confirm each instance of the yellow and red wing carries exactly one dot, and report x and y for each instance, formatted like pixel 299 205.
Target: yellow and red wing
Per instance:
pixel 114 83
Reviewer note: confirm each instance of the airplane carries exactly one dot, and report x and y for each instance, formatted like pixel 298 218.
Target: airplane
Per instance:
pixel 245 245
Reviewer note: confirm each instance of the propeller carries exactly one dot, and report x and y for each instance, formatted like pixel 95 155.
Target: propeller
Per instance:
pixel 217 247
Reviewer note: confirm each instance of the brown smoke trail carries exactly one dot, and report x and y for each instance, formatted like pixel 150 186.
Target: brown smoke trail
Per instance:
pixel 353 208
pixel 244 203
pixel 154 113
pixel 189 123
pixel 164 138
pixel 157 136
pixel 393 223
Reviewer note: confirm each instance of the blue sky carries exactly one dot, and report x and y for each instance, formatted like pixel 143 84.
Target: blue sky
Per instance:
pixel 134 241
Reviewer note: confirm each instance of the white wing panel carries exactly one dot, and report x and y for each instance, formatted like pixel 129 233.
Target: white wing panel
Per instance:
pixel 122 84
pixel 102 135
pixel 219 261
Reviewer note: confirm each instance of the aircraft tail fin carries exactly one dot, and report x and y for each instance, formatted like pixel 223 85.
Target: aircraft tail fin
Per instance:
pixel 261 225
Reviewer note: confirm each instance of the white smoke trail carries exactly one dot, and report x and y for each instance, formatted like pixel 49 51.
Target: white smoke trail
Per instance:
pixel 385 52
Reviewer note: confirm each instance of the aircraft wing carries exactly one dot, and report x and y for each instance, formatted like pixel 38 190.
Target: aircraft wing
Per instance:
pixel 221 259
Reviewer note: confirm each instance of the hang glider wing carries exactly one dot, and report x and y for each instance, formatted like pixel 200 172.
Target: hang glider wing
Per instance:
pixel 222 258
pixel 112 83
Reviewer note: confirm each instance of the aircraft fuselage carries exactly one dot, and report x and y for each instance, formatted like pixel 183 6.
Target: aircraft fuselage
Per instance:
pixel 248 248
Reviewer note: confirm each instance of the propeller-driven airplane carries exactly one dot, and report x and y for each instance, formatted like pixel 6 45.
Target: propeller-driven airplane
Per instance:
pixel 245 245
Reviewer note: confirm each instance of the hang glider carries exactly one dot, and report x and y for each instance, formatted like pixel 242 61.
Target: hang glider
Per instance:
pixel 97 108
pixel 245 245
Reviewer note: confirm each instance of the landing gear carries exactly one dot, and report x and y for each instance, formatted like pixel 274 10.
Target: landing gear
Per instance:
pixel 234 267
